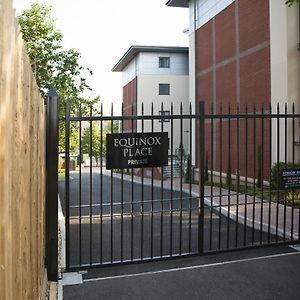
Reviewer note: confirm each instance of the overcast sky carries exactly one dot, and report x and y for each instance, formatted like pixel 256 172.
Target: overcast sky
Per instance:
pixel 103 30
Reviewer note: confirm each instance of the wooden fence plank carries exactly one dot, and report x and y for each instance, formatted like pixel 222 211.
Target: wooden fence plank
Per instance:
pixel 22 168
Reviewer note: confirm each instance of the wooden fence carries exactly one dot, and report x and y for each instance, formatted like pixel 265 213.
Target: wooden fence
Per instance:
pixel 22 168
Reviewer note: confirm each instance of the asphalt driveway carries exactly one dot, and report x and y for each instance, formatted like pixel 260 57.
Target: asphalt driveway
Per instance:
pixel 114 220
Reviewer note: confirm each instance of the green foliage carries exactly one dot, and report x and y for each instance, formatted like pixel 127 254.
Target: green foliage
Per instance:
pixel 54 66
pixel 259 182
pixel 291 2
pixel 96 150
pixel 114 126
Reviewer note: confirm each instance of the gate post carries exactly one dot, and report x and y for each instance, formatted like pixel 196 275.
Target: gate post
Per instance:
pixel 201 175
pixel 51 260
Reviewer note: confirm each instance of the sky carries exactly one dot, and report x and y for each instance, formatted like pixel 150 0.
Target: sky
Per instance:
pixel 103 30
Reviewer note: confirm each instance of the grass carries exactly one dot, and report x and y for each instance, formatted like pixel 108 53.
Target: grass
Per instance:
pixel 61 174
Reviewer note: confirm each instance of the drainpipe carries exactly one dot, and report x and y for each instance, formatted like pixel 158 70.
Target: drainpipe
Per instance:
pixel 136 88
pixel 195 49
pixel 299 28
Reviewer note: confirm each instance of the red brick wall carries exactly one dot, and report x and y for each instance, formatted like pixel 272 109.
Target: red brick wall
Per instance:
pixel 226 85
pixel 225 34
pixel 129 104
pixel 233 68
pixel 204 52
pixel 255 81
pixel 254 23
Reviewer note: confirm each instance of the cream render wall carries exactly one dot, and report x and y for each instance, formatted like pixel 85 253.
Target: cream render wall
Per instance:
pixel 285 69
pixel 146 63
pixel 148 93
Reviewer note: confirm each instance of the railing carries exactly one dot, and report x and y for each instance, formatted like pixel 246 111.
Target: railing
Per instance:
pixel 224 198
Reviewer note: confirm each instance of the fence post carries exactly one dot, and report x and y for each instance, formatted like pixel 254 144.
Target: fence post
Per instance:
pixel 201 175
pixel 52 186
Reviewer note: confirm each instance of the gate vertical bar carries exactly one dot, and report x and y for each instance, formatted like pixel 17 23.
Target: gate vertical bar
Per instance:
pixel 162 194
pixel 261 170
pixel 152 190
pixel 254 174
pixel 190 179
pixel 132 194
pixel 293 162
pixel 220 179
pixel 201 176
pixel 172 183
pixel 142 203
pixel 270 175
pixel 237 174
pixel 228 178
pixel 67 182
pixel 101 185
pixel 52 186
pixel 246 176
pixel 211 175
pixel 91 186
pixel 112 197
pixel 285 161
pixel 122 193
pixel 181 175
pixel 80 189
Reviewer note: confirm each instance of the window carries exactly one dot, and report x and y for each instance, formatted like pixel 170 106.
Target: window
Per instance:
pixel 164 113
pixel 164 89
pixel 164 62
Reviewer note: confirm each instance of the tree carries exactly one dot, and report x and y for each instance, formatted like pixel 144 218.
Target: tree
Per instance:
pixel 55 67
pixel 291 2
pixel 95 140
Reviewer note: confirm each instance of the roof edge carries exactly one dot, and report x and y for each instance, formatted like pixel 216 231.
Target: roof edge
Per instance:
pixel 135 49
pixel 178 3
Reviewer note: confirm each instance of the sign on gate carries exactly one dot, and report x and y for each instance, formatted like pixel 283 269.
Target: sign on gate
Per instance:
pixel 136 150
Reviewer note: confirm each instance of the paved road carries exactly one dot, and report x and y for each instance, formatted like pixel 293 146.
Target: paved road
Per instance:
pixel 257 274
pixel 141 232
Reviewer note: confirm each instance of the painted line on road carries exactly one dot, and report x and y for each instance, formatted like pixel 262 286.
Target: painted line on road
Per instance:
pixel 192 267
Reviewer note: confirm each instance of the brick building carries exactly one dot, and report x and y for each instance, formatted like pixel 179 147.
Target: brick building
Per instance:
pixel 243 53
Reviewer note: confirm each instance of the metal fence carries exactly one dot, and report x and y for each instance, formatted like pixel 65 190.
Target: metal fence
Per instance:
pixel 222 189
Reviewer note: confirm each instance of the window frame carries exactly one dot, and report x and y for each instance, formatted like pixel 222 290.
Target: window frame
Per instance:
pixel 164 113
pixel 164 62
pixel 162 92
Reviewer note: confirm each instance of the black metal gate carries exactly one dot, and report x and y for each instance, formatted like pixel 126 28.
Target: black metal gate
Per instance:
pixel 222 189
